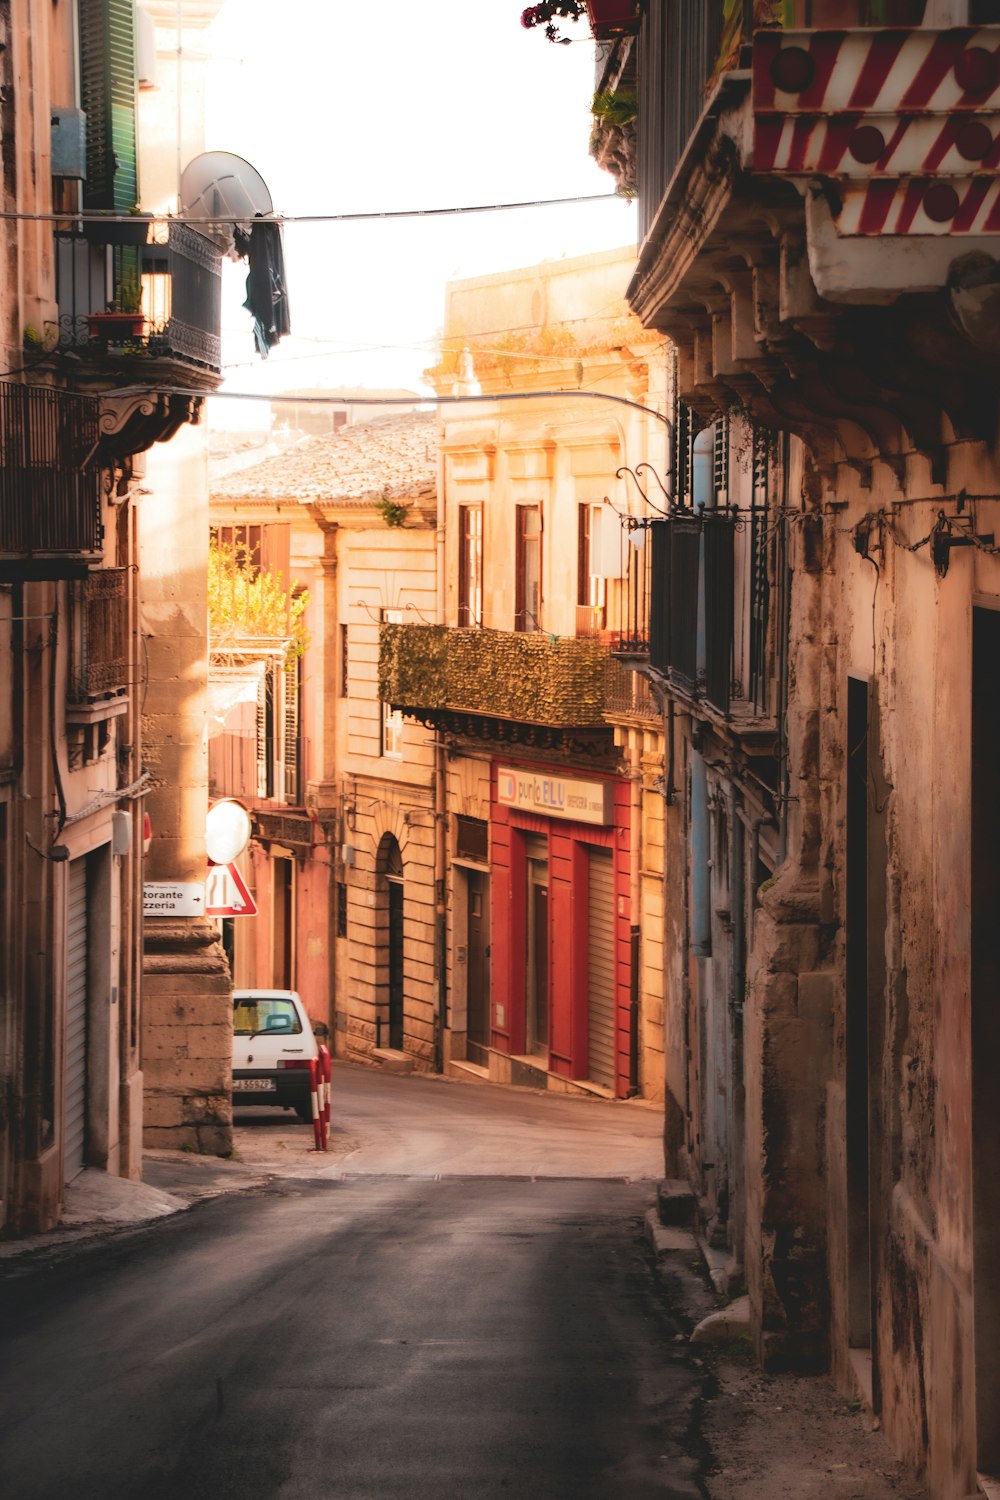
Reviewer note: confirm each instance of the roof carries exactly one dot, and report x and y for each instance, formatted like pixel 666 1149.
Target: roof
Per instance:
pixel 392 455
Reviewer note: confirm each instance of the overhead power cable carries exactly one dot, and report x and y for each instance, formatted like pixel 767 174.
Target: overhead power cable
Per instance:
pixel 383 213
pixel 416 400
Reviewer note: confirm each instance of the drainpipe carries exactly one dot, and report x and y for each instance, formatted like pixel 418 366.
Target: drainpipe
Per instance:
pixel 701 913
pixel 635 918
pixel 440 801
pixel 784 626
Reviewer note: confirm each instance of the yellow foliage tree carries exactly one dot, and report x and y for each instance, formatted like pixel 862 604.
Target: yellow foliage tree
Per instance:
pixel 248 603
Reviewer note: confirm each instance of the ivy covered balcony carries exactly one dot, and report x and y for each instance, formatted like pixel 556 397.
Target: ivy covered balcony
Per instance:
pixel 509 685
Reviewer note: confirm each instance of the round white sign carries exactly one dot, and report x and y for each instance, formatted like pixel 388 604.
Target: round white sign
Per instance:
pixel 227 831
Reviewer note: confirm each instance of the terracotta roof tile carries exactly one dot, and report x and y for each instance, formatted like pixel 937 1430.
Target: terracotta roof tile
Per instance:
pixel 394 454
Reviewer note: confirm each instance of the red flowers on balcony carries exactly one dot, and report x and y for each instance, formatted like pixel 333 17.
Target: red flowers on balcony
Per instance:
pixel 608 18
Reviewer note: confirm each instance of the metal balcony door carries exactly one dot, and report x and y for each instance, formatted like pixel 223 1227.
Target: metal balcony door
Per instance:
pixel 75 1065
pixel 601 967
pixel 478 993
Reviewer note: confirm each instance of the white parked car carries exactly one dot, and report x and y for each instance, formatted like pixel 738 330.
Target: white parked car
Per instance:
pixel 273 1044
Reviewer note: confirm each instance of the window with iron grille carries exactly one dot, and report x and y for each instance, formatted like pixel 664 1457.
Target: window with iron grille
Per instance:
pixel 682 599
pixel 50 486
pixel 341 908
pixel 719 533
pixel 100 636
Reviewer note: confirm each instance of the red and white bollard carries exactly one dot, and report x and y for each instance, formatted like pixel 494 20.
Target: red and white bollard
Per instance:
pixel 320 1073
pixel 326 1070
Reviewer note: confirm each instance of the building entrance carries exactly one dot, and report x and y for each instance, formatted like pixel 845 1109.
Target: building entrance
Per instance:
pixel 537 977
pixel 478 968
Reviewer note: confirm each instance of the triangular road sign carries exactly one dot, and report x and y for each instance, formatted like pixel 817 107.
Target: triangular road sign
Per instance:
pixel 226 894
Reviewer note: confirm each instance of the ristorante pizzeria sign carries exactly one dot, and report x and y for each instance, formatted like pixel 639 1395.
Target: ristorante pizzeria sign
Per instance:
pixel 556 796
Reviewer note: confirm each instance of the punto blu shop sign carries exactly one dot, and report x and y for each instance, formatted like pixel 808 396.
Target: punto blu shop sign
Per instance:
pixel 555 796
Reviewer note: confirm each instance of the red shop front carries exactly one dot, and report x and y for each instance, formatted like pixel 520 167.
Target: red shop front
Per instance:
pixel 561 923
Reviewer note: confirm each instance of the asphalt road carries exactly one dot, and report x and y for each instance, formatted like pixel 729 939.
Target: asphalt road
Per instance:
pixel 356 1339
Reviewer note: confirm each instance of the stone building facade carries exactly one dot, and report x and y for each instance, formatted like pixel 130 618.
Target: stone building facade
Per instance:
pixel 340 789
pixel 75 772
pixel 550 810
pixel 822 608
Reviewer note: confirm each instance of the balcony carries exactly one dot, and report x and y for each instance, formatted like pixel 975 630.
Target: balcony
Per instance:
pixel 50 483
pixel 99 655
pixel 696 611
pixel 520 684
pixel 144 317
pixel 773 179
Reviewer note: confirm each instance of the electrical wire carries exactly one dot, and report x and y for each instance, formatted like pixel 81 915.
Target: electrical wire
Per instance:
pixel 409 401
pixel 352 218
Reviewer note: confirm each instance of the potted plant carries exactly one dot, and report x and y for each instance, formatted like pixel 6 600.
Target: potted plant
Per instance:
pixel 131 231
pixel 611 18
pixel 124 316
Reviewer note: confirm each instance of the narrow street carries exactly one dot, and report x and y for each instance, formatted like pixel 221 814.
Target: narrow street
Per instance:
pixel 458 1299
pixel 374 1335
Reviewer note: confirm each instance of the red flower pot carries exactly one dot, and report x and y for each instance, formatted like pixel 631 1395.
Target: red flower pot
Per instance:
pixel 610 18
pixel 116 326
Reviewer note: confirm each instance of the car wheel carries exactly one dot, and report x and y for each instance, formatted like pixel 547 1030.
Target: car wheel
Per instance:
pixel 304 1112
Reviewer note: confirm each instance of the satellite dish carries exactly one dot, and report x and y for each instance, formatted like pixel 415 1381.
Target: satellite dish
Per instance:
pixel 219 185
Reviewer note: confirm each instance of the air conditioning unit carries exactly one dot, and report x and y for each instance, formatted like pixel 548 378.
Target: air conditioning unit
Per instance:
pixel 69 143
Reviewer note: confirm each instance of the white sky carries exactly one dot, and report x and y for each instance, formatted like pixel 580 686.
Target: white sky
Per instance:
pixel 348 106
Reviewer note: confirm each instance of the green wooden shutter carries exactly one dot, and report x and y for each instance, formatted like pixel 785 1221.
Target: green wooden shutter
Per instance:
pixel 291 730
pixel 107 87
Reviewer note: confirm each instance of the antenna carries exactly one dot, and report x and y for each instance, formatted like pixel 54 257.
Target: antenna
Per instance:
pixel 219 185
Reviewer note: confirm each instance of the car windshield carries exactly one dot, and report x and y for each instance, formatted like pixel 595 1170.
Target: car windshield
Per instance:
pixel 260 1013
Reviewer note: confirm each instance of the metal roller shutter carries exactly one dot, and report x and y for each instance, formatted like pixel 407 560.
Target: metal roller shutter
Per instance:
pixel 75 1072
pixel 601 967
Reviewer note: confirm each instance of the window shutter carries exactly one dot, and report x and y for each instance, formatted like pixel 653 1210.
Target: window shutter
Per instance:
pixel 263 747
pixel 107 88
pixel 291 730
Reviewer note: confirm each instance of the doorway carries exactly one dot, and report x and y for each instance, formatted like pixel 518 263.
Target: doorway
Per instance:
pixel 865 988
pixel 389 1027
pixel 77 998
pixel 537 975
pixel 283 925
pixel 601 967
pixel 478 967
pixel 985 984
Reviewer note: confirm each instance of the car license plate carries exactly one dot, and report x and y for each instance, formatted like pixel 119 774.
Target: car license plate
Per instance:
pixel 254 1085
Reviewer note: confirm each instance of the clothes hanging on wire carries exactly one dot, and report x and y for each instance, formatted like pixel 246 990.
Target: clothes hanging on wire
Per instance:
pixel 267 295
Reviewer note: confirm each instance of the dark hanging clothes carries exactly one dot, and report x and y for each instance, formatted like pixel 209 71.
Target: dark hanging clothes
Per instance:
pixel 267 298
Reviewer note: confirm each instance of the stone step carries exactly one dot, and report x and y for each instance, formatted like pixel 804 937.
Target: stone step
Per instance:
pixel 391 1060
pixel 676 1203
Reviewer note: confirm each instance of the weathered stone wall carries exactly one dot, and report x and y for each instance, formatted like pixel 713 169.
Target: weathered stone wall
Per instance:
pixel 187 1037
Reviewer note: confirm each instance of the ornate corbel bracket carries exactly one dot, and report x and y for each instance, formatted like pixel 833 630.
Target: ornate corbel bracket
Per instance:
pixel 132 423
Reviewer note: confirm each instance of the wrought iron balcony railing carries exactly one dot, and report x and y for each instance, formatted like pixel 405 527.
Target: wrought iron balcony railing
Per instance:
pixel 160 299
pixel 50 482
